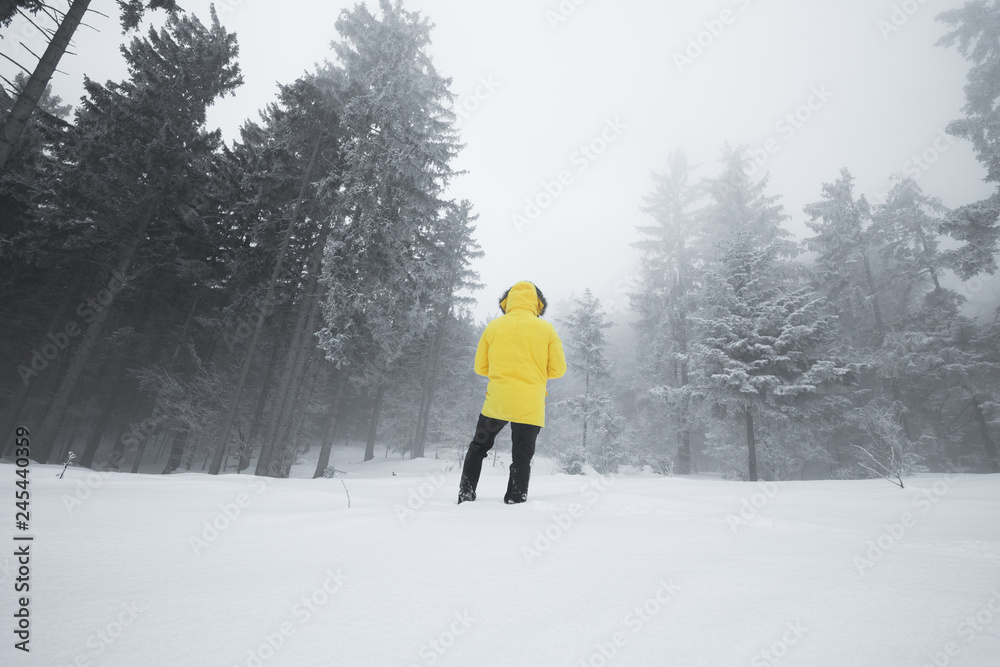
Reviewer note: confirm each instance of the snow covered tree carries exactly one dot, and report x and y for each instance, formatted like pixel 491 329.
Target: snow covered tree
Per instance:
pixel 672 255
pixel 908 225
pixel 762 352
pixel 857 258
pixel 397 148
pixel 450 254
pixel 886 451
pixel 761 355
pixel 584 343
pixel 844 247
pixel 975 32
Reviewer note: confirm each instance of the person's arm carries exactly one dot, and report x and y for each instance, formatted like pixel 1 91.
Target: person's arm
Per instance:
pixel 557 359
pixel 482 357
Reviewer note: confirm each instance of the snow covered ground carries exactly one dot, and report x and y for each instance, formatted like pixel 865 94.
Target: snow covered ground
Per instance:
pixel 238 571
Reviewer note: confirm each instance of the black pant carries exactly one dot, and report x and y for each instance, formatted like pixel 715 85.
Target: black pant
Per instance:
pixel 523 438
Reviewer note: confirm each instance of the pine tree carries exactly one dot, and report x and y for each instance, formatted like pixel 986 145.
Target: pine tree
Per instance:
pixel 584 342
pixel 16 119
pixel 138 149
pixel 844 245
pixel 397 148
pixel 909 225
pixel 761 352
pixel 671 262
pixel 858 269
pixel 450 254
pixel 975 32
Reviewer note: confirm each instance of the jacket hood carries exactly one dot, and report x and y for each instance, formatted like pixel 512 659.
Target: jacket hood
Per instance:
pixel 523 295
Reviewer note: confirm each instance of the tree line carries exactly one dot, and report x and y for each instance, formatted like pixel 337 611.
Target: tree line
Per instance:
pixel 844 355
pixel 171 302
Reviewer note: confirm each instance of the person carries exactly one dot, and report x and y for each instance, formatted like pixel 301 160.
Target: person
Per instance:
pixel 519 352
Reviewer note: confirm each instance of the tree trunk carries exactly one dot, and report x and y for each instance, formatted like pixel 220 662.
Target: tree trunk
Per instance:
pixel 300 397
pixel 988 444
pixel 879 323
pixel 323 462
pixel 430 386
pixel 27 101
pixel 176 451
pixel 302 343
pixel 299 355
pixel 24 388
pixel 373 425
pixel 303 405
pixel 586 406
pixel 291 382
pixel 94 441
pixel 60 403
pixel 140 451
pixel 247 453
pixel 751 446
pixel 684 452
pixel 114 394
pixel 222 442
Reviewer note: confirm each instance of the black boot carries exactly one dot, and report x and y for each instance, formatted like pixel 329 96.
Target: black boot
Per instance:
pixel 523 437
pixel 479 448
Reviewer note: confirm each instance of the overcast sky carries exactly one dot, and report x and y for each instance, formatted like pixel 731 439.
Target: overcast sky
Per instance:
pixel 539 81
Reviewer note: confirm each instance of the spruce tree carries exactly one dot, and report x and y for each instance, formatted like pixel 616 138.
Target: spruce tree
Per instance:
pixel 761 355
pixel 974 29
pixel 673 252
pixel 397 148
pixel 585 342
pixel 136 154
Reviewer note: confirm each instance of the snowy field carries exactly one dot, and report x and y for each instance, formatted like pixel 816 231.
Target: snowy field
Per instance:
pixel 236 571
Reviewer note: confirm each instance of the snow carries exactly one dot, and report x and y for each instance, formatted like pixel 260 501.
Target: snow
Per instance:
pixel 633 570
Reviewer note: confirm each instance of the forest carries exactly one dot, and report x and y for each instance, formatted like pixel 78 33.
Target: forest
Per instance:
pixel 172 303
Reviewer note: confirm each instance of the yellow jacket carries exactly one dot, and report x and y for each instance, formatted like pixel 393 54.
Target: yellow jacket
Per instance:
pixel 519 352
